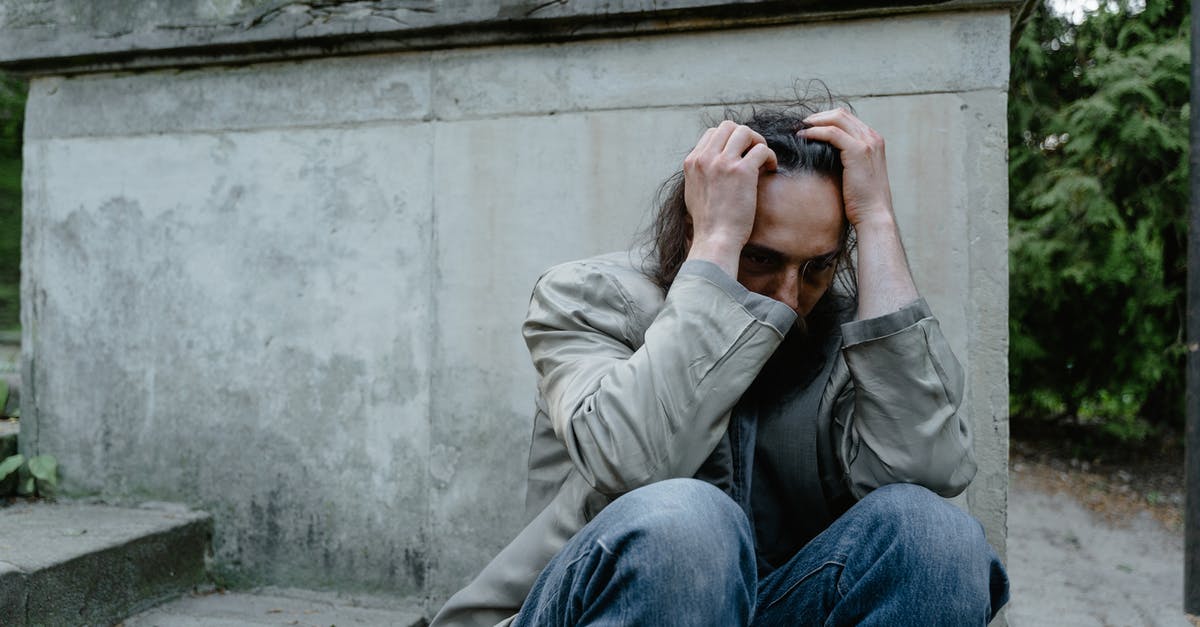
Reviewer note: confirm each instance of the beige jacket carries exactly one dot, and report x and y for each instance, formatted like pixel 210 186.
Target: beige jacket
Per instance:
pixel 636 386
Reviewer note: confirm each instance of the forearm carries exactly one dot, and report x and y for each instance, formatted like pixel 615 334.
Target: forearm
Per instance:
pixel 885 283
pixel 723 252
pixel 629 409
pixel 900 413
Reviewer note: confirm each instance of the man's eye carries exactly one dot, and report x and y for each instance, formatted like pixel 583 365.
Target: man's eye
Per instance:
pixel 823 264
pixel 757 259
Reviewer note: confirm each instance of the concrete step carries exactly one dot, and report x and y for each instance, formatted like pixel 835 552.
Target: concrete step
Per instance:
pixel 91 564
pixel 272 606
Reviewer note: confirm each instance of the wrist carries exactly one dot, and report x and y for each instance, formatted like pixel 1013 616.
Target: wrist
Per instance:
pixel 876 222
pixel 722 251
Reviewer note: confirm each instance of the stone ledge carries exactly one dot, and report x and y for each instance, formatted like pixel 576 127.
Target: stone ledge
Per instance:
pixel 71 36
pixel 273 606
pixel 95 564
pixel 941 53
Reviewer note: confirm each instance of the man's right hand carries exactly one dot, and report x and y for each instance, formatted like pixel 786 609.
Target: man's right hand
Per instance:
pixel 721 191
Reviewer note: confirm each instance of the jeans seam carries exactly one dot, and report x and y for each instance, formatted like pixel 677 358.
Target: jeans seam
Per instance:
pixel 837 560
pixel 541 606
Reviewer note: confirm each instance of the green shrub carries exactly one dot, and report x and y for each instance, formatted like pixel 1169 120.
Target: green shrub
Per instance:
pixel 1098 175
pixel 12 116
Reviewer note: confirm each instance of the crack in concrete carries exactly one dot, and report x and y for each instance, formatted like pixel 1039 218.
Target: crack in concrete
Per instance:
pixel 544 5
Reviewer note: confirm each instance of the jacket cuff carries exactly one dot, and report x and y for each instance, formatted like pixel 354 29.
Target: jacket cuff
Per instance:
pixel 859 331
pixel 764 308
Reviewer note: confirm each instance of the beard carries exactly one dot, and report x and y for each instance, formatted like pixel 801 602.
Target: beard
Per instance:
pixel 808 343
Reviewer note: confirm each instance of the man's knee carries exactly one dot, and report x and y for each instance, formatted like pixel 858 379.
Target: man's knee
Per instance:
pixel 677 550
pixel 682 506
pixel 923 523
pixel 936 542
pixel 914 515
pixel 682 520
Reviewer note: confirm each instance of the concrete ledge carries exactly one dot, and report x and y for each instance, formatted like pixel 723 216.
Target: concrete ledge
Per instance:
pixel 94 564
pixel 272 606
pixel 943 53
pixel 66 36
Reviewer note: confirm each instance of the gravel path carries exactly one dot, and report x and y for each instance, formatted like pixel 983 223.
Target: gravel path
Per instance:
pixel 1072 564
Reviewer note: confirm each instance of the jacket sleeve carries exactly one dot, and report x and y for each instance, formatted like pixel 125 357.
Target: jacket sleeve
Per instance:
pixel 899 417
pixel 634 408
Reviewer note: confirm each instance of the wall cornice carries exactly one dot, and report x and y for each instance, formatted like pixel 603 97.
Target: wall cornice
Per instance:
pixel 75 36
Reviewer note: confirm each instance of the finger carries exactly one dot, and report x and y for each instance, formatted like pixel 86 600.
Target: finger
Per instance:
pixel 763 158
pixel 720 136
pixel 741 140
pixel 702 143
pixel 834 135
pixel 840 118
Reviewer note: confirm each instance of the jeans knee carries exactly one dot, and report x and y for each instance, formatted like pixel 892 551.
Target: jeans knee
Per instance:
pixel 915 515
pixel 682 521
pixel 675 552
pixel 682 506
pixel 937 542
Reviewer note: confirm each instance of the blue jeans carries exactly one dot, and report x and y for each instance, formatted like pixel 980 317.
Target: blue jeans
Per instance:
pixel 681 552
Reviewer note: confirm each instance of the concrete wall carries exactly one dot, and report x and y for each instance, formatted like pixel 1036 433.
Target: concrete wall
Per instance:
pixel 290 293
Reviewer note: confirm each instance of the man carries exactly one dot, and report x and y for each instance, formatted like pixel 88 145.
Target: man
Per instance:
pixel 737 431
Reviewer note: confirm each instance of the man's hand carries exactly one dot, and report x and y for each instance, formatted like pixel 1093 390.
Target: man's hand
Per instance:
pixel 884 281
pixel 721 191
pixel 865 188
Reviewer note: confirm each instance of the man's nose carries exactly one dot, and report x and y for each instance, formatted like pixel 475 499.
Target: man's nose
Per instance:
pixel 787 291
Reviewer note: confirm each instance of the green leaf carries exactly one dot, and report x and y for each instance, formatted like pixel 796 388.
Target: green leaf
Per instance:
pixel 3 393
pixel 27 486
pixel 44 467
pixel 10 464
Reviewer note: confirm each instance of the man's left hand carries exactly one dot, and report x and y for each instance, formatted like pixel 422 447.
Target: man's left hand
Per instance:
pixel 865 188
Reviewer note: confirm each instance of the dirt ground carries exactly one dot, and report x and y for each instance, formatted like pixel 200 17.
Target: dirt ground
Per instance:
pixel 1095 544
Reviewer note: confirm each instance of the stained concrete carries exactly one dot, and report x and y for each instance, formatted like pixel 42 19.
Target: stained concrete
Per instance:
pixel 290 293
pixel 94 564
pixel 241 320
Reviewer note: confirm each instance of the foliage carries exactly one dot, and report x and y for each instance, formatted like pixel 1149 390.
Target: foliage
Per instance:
pixel 1098 175
pixel 37 476
pixel 12 116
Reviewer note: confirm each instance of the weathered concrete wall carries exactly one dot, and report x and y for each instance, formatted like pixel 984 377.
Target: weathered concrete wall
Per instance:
pixel 290 293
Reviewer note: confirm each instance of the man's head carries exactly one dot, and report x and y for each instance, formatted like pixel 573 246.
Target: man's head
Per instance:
pixel 800 233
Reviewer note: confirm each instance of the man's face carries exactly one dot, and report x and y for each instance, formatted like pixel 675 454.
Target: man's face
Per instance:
pixel 795 241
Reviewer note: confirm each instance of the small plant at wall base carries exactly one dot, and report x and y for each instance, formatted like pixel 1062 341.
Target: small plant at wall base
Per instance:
pixel 36 476
pixel 33 476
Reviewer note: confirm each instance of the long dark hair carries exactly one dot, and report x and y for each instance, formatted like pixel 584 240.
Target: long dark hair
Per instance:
pixel 666 236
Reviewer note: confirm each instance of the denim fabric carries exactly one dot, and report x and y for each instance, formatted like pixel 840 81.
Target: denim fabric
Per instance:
pixel 680 552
